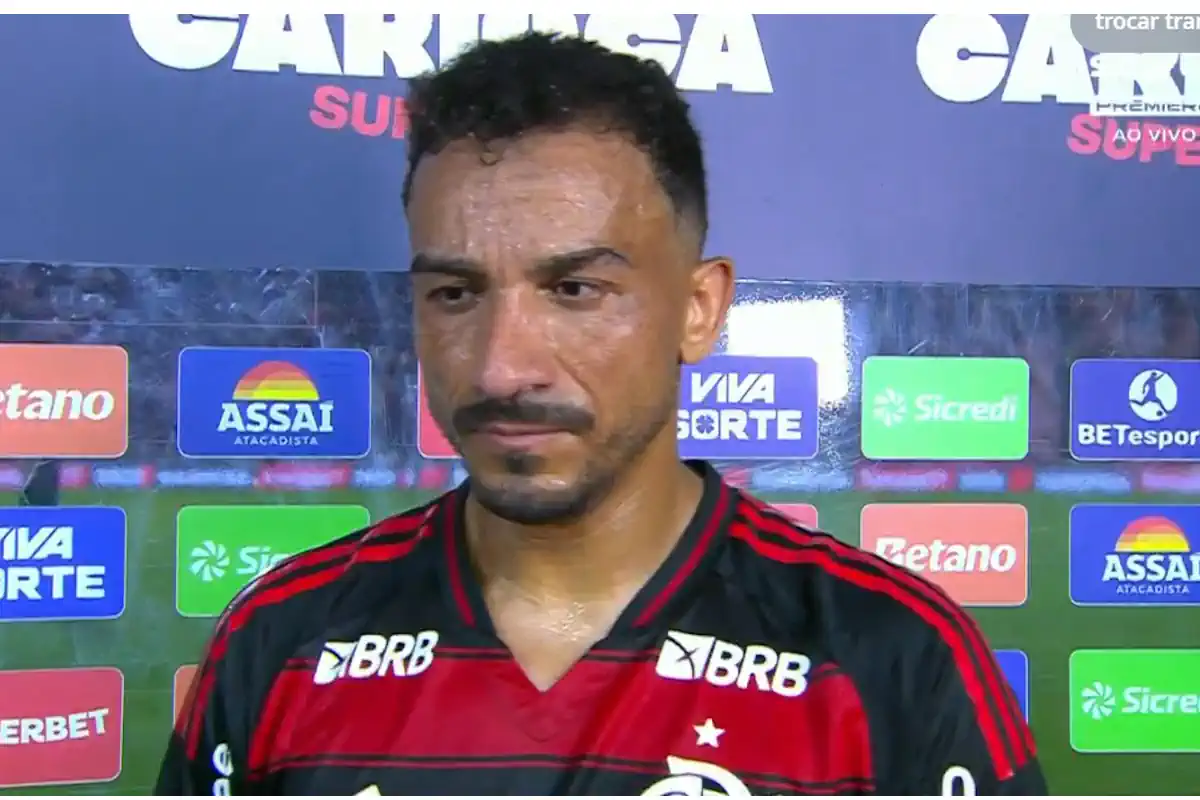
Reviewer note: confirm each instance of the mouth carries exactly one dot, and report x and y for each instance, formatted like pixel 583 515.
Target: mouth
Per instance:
pixel 520 435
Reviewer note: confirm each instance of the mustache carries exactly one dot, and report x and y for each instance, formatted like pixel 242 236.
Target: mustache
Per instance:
pixel 472 418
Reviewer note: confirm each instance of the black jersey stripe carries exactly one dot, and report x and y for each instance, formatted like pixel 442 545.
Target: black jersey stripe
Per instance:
pixel 993 700
pixel 561 764
pixel 1001 696
pixel 1009 741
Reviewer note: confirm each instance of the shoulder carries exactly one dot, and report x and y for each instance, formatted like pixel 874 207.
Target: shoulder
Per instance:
pixel 878 611
pixel 302 587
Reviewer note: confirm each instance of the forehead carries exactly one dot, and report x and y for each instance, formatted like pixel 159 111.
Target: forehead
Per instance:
pixel 542 191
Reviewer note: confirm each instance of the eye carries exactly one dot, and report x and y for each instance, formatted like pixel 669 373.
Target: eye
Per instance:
pixel 451 296
pixel 575 291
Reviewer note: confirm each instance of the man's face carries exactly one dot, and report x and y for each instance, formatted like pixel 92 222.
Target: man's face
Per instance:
pixel 555 294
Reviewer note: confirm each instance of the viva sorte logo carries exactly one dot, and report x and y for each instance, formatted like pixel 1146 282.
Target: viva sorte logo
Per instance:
pixel 748 407
pixel 62 563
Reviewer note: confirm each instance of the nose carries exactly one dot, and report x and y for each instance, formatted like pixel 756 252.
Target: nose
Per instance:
pixel 516 351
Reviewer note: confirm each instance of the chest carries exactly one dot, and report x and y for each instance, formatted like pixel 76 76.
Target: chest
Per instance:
pixel 681 713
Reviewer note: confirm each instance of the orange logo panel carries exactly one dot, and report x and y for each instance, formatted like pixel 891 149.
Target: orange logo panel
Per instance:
pixel 800 513
pixel 63 401
pixel 183 683
pixel 431 442
pixel 977 552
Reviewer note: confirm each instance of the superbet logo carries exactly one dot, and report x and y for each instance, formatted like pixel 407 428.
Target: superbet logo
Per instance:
pixel 60 726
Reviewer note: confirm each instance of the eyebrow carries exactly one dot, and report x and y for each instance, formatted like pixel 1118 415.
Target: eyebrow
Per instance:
pixel 550 268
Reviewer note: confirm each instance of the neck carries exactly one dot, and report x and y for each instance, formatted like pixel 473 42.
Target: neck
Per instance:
pixel 608 553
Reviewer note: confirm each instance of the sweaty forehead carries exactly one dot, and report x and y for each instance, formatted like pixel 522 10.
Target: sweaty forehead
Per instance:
pixel 542 193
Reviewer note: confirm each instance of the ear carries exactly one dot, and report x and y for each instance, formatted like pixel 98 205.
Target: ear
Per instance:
pixel 711 292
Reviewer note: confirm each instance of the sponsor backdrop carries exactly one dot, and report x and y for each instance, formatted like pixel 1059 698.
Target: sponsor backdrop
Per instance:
pixel 906 362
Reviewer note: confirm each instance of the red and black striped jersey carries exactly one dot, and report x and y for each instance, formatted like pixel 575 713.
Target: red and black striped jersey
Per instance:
pixel 762 658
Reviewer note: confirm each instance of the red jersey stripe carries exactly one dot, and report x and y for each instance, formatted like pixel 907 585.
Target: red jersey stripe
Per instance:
pixel 287 581
pixel 970 653
pixel 1014 725
pixel 703 542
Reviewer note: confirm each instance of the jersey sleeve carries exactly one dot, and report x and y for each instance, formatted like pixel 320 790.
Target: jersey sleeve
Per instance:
pixel 966 734
pixel 208 748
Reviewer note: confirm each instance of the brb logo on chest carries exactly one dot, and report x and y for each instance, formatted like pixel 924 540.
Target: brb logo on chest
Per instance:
pixel 747 407
pixel 62 563
pixel 692 657
pixel 1128 409
pixel 237 402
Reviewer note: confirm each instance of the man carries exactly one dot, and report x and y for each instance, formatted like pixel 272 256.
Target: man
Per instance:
pixel 586 615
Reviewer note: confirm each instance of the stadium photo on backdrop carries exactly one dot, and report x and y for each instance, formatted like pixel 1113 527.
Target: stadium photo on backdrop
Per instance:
pixel 547 407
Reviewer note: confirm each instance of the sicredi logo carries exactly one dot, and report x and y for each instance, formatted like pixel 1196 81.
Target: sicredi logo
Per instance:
pixel 945 408
pixel 401 655
pixel 1135 410
pixel 181 686
pixel 1135 701
pixel 220 549
pixel 732 407
pixel 60 726
pixel 693 657
pixel 976 552
pixel 62 563
pixel 63 401
pixel 1134 555
pixel 239 402
pixel 1015 666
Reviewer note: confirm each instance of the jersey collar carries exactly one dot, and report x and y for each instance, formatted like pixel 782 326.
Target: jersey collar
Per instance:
pixel 669 584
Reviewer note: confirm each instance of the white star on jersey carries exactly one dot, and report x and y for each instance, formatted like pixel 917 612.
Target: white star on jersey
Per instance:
pixel 708 734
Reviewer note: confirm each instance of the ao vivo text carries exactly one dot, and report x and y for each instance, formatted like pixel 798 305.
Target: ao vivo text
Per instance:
pixel 739 406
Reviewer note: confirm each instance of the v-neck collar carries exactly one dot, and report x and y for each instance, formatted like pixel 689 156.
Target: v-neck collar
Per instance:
pixel 669 583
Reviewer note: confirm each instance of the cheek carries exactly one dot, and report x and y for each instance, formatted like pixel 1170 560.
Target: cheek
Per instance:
pixel 623 354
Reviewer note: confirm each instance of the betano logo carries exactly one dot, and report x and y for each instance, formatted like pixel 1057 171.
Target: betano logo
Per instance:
pixel 276 402
pixel 977 552
pixel 63 401
pixel 1152 556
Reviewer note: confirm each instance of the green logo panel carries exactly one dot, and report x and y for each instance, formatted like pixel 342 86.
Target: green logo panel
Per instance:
pixel 220 549
pixel 945 409
pixel 1135 701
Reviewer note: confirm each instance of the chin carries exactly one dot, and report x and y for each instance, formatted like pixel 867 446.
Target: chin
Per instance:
pixel 530 504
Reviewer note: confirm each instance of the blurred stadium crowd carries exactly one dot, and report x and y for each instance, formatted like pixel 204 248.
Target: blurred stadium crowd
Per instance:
pixel 153 312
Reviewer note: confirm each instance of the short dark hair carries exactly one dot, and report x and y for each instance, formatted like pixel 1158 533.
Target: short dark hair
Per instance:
pixel 546 81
